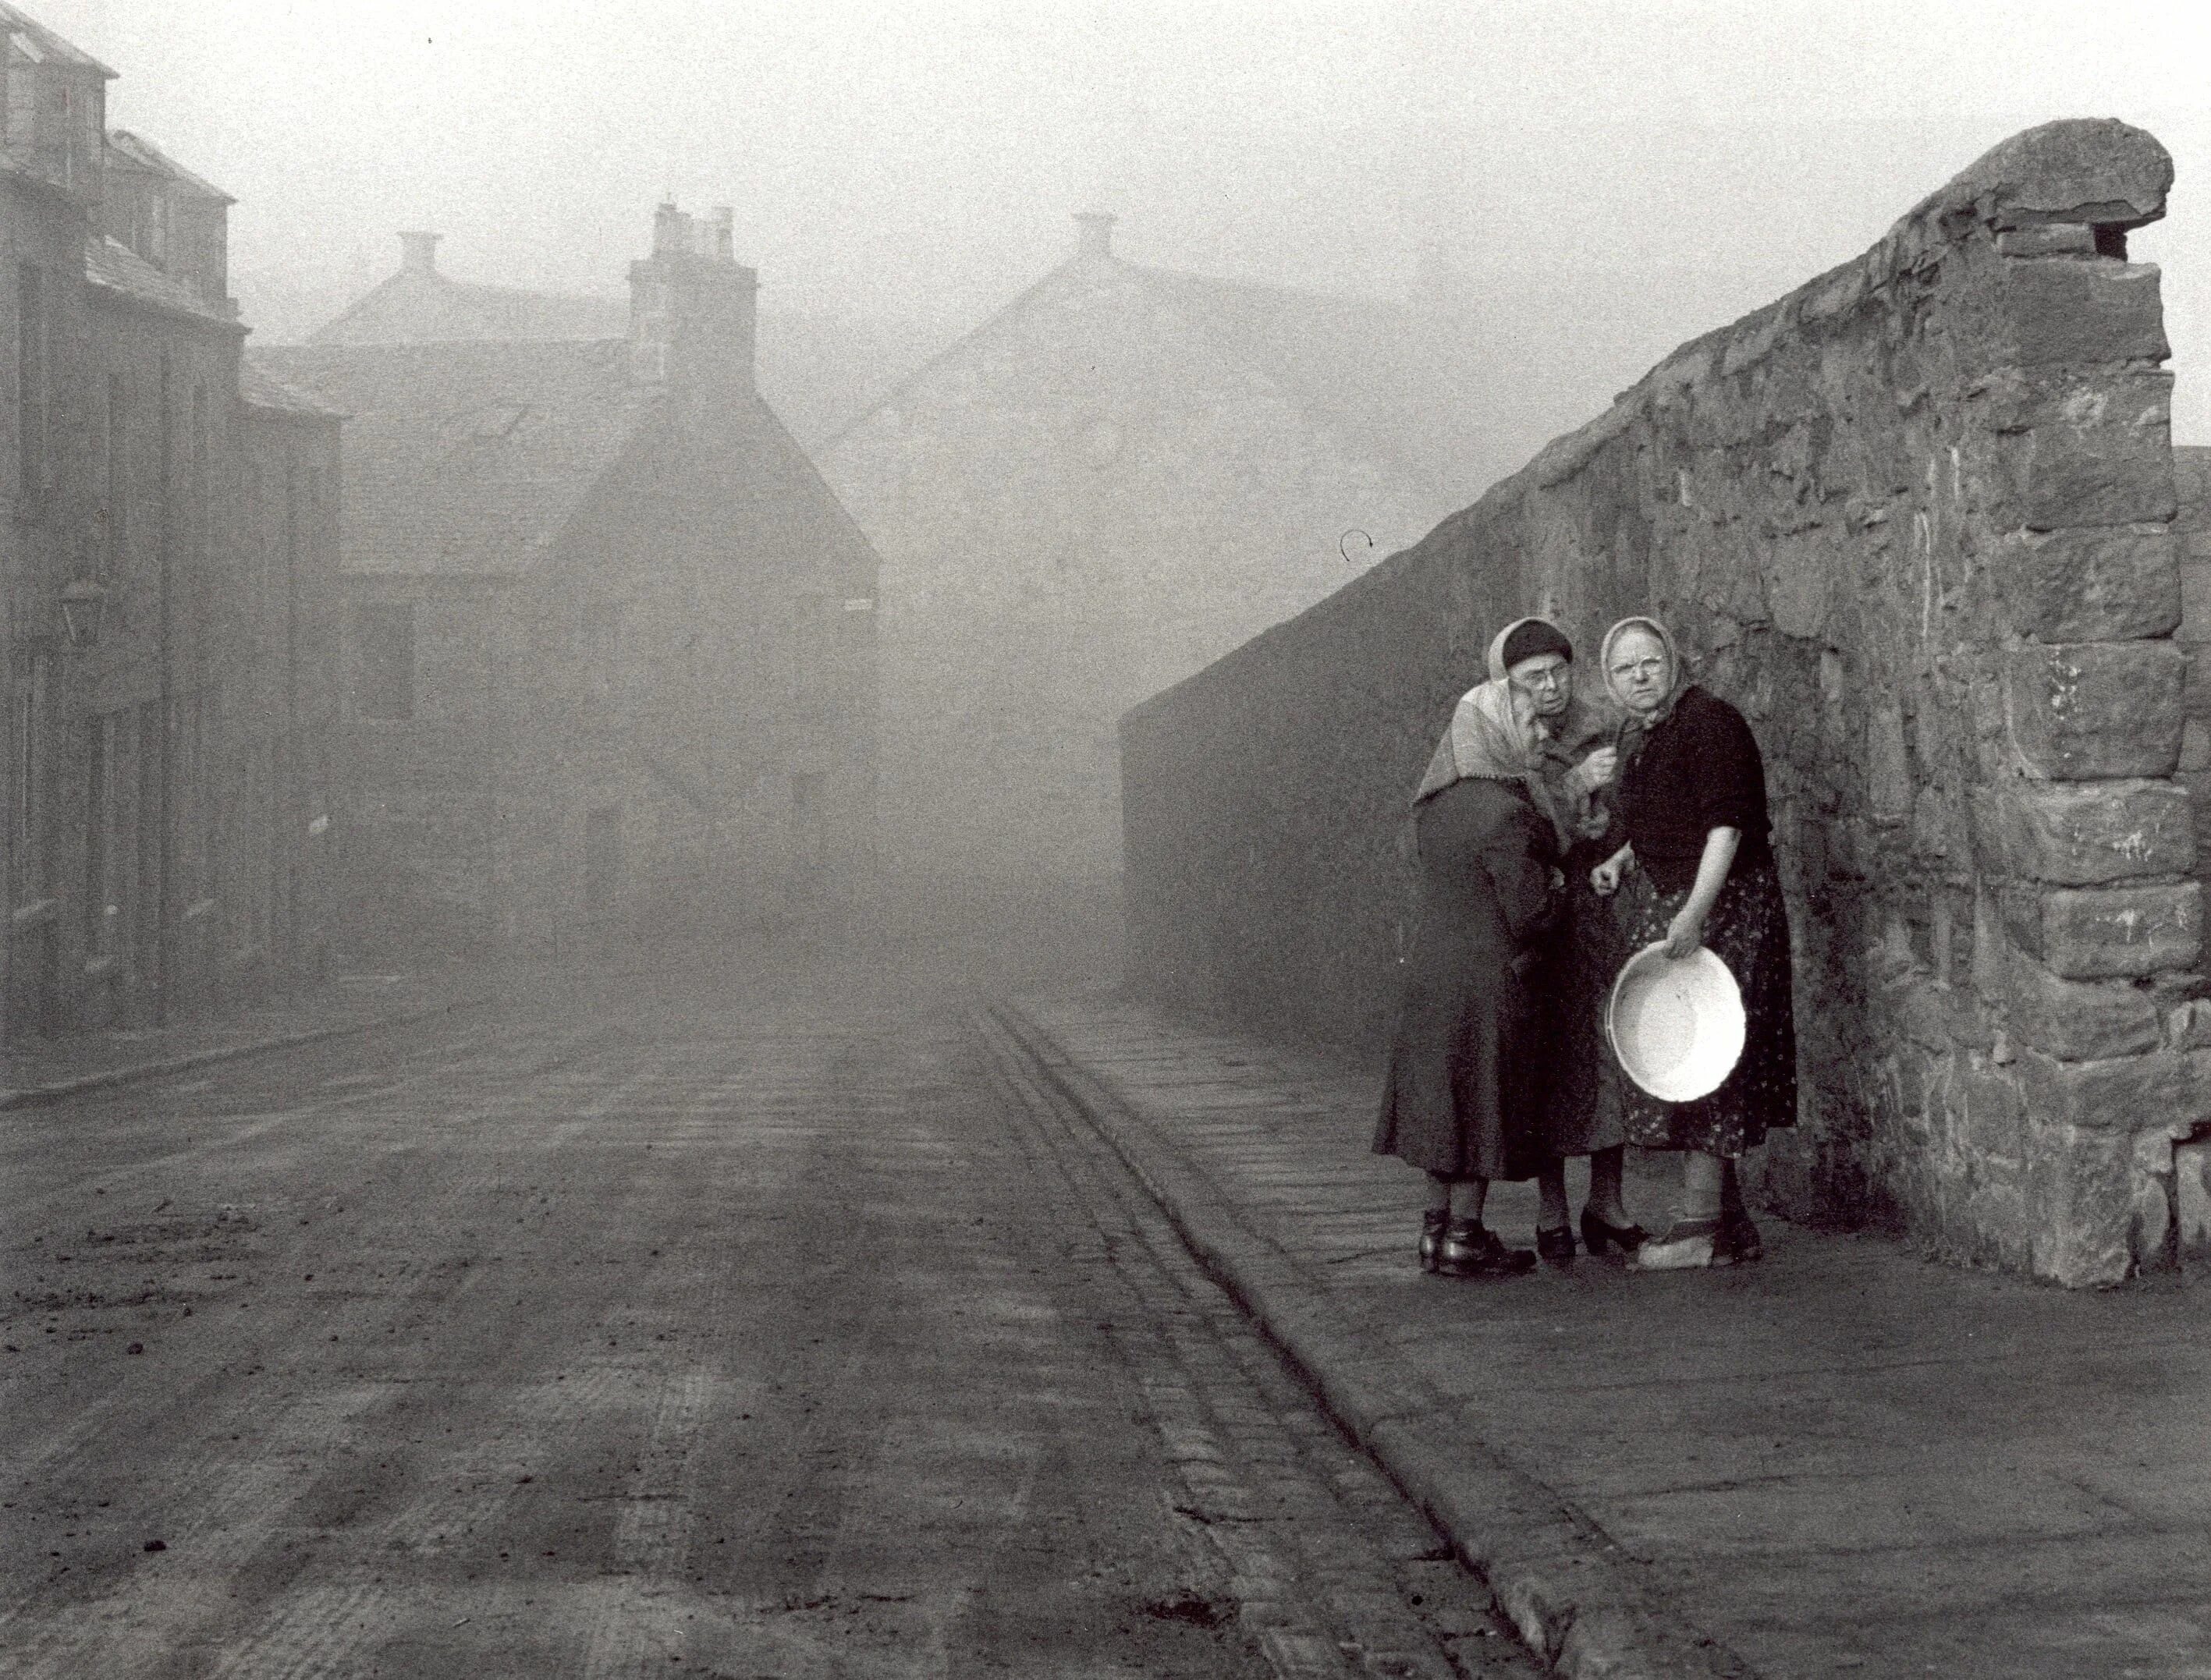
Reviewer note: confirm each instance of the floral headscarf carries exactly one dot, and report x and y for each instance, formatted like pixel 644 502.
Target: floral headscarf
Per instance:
pixel 1492 739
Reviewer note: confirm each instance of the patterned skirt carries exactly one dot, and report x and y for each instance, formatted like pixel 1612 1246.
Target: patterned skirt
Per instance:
pixel 1749 928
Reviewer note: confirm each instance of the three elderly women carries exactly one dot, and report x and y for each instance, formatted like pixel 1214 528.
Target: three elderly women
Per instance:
pixel 1556 835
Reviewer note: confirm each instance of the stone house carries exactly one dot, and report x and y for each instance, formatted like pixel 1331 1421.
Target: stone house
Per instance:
pixel 140 638
pixel 815 371
pixel 609 639
pixel 1120 476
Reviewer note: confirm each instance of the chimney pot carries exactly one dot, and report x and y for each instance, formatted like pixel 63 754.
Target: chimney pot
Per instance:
pixel 418 253
pixel 671 229
pixel 1097 235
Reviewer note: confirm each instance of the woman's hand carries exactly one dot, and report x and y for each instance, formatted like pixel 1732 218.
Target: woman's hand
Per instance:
pixel 1604 880
pixel 1597 769
pixel 1684 932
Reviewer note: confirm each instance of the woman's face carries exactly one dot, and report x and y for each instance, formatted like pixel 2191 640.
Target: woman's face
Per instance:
pixel 1641 672
pixel 1546 680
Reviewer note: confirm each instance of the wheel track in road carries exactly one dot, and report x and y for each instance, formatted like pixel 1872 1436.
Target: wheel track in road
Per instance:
pixel 1311 1529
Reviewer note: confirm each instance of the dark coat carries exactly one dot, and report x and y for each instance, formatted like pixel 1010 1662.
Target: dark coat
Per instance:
pixel 1463 1096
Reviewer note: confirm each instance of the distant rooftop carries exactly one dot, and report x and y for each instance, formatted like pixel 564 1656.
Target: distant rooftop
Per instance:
pixel 418 305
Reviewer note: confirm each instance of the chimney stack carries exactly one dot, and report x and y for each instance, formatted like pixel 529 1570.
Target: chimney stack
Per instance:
pixel 1097 236
pixel 418 253
pixel 692 313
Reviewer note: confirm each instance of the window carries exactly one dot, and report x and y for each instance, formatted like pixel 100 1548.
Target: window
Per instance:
pixel 118 475
pixel 385 634
pixel 34 446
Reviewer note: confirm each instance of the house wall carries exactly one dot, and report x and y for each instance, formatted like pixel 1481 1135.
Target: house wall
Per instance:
pixel 279 833
pixel 1913 519
pixel 1083 502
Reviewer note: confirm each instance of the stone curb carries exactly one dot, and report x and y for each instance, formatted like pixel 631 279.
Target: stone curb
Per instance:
pixel 60 1091
pixel 1578 1601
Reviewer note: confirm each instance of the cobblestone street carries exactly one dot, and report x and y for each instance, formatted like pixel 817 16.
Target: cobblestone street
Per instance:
pixel 727 1326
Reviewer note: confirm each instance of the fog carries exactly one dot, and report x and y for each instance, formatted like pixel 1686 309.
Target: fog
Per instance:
pixel 1608 178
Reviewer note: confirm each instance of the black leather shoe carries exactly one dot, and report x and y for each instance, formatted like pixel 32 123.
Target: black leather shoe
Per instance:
pixel 1595 1234
pixel 1470 1251
pixel 1738 1242
pixel 1431 1236
pixel 1556 1245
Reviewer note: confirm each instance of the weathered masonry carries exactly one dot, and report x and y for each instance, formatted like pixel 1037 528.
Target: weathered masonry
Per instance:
pixel 1915 518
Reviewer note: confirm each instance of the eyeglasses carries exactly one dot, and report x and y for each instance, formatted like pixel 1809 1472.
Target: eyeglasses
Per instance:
pixel 1552 679
pixel 1640 668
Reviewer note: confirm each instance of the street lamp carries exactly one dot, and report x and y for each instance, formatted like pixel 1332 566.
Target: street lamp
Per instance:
pixel 84 607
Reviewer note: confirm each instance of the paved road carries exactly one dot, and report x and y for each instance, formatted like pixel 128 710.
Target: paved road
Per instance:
pixel 768 1327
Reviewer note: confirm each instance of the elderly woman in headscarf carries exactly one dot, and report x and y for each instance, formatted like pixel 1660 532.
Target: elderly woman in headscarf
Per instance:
pixel 1463 1098
pixel 1697 869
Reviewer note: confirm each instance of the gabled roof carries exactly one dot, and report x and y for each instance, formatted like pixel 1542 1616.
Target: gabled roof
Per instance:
pixel 1389 381
pixel 467 459
pixel 1383 378
pixel 147 155
pixel 257 388
pixel 113 266
pixel 413 307
pixel 35 42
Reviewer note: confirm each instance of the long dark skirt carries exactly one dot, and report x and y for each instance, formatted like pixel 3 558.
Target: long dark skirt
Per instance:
pixel 1463 1095
pixel 1749 928
pixel 1582 1112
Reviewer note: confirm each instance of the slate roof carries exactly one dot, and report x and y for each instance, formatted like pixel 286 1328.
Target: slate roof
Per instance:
pixel 411 307
pixel 257 388
pixel 114 267
pixel 147 155
pixel 467 459
pixel 35 40
pixel 1386 379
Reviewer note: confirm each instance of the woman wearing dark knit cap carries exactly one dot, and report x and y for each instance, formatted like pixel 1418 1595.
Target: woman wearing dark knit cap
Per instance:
pixel 1465 1096
pixel 1697 869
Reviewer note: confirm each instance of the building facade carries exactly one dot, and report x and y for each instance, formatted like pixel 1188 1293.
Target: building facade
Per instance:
pixel 1121 476
pixel 609 637
pixel 134 605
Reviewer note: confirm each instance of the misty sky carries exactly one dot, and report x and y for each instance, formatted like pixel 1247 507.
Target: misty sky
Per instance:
pixel 920 161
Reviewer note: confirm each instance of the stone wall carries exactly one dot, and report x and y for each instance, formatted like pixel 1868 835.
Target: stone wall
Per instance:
pixel 1913 518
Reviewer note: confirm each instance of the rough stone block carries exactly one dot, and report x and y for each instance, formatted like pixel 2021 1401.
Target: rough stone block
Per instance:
pixel 2085 169
pixel 2149 1198
pixel 2079 1020
pixel 1888 764
pixel 2077 450
pixel 2089 585
pixel 2192 1185
pixel 2083 833
pixel 2122 1092
pixel 2104 933
pixel 2064 311
pixel 1991 1115
pixel 2081 1204
pixel 2194 748
pixel 2188 1025
pixel 2195 598
pixel 2080 711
